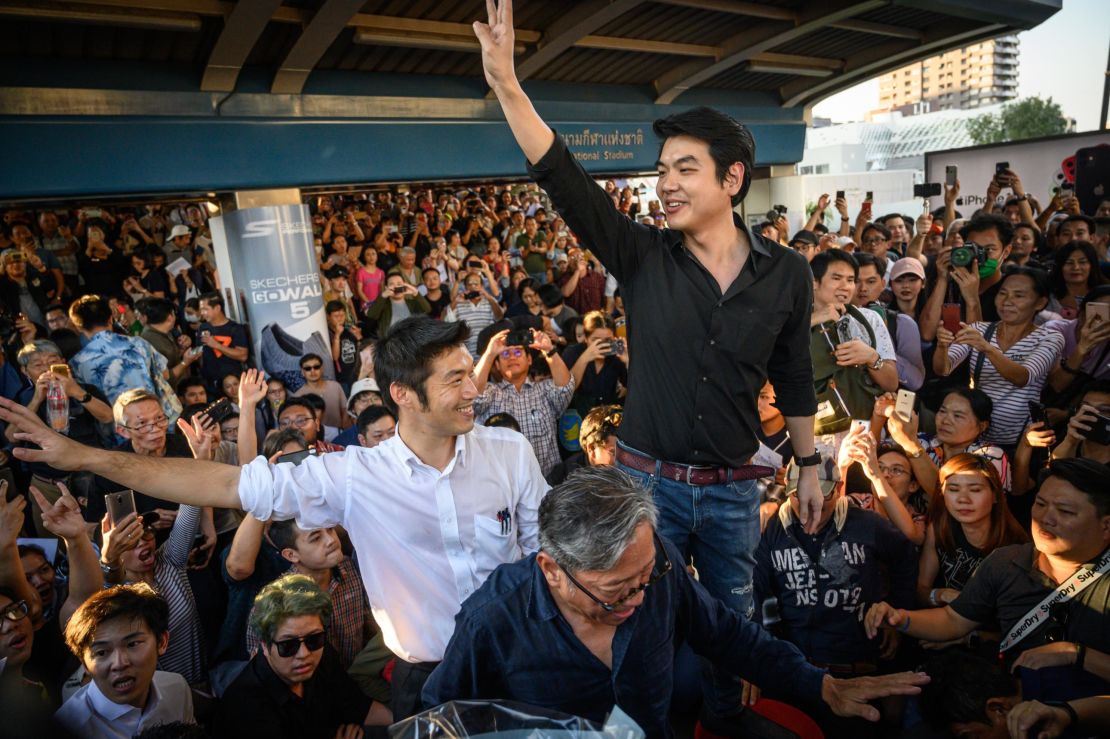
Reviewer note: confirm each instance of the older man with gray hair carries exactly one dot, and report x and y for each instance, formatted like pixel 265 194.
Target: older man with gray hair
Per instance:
pixel 593 620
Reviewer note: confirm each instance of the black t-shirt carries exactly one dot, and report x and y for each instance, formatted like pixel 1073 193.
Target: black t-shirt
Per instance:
pixel 1007 586
pixel 214 365
pixel 83 427
pixel 176 446
pixel 347 362
pixel 440 304
pixel 597 387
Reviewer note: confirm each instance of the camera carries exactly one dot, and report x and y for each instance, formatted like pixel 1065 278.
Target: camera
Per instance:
pixel 519 337
pixel 962 256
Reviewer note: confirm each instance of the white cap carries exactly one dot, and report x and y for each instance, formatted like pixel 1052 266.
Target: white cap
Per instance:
pixel 362 386
pixel 178 230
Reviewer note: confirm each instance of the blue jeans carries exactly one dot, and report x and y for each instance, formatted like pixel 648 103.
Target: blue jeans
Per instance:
pixel 717 525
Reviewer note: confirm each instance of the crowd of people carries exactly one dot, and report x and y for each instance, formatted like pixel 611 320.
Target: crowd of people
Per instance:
pixel 901 531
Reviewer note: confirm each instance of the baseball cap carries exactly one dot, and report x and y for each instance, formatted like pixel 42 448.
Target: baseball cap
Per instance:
pixel 907 266
pixel 178 230
pixel 336 271
pixel 366 384
pixel 807 237
pixel 828 476
pixel 843 241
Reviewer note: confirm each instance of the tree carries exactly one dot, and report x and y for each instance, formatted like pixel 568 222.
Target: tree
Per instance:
pixel 1025 119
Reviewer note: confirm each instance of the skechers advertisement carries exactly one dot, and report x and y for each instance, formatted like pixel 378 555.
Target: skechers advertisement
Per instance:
pixel 274 277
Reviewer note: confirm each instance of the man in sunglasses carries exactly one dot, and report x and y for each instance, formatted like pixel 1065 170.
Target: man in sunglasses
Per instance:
pixel 601 609
pixel 294 686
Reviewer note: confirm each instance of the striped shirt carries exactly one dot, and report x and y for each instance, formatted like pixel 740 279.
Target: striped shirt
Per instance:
pixel 477 317
pixel 185 654
pixel 935 449
pixel 1038 353
pixel 537 407
pixel 351 623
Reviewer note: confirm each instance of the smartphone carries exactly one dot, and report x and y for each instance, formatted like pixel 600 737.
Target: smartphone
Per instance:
pixel 1001 168
pixel 1036 413
pixel 1094 308
pixel 616 347
pixel 218 410
pixel 63 369
pixel 950 317
pixel 927 190
pixel 950 175
pixel 1100 430
pixel 119 505
pixel 1067 186
pixel 520 337
pixel 858 426
pixel 471 294
pixel 870 196
pixel 903 405
pixel 839 194
pixel 298 457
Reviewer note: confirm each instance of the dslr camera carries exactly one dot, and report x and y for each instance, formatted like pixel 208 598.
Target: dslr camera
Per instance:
pixel 962 256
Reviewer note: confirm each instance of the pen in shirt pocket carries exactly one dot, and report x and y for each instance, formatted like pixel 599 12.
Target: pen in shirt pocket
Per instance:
pixel 506 520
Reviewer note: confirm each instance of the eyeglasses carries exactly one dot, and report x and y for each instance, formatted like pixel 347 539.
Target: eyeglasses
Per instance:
pixel 314 642
pixel 300 422
pixel 158 423
pixel 871 242
pixel 896 471
pixel 311 367
pixel 657 574
pixel 15 611
pixel 515 352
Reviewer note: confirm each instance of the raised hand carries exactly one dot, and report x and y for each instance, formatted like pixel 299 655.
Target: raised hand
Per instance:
pixel 56 450
pixel 497 39
pixel 62 517
pixel 252 389
pixel 850 697
pixel 122 537
pixel 11 516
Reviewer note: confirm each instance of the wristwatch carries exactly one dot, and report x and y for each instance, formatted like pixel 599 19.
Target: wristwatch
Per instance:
pixel 811 461
pixel 108 569
pixel 915 453
pixel 85 398
pixel 551 353
pixel 878 365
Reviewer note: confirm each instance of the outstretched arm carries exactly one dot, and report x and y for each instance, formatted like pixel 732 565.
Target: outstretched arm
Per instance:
pixel 164 477
pixel 497 38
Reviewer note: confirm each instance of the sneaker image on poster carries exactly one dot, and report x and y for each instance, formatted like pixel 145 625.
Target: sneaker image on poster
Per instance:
pixel 280 355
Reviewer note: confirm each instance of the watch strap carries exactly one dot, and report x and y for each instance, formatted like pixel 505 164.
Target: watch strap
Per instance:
pixel 809 461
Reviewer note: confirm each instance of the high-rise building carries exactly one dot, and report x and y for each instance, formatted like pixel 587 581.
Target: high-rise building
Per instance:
pixel 961 79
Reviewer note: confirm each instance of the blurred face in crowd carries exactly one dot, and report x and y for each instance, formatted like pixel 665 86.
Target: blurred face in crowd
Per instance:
pixel 1023 243
pixel 968 497
pixel 1017 301
pixel 1103 209
pixel 377 432
pixel 181 243
pixel 991 242
pixel 837 286
pixel 393 282
pixel 474 285
pixel 1077 268
pixel 40 574
pixel 48 222
pixel 530 297
pixel 16 634
pixel 229 429
pixel 407 259
pixel 15 267
pixel 899 234
pixel 896 470
pixel 957 425
pixel 22 235
pixel 195 394
pixel 770 232
pixel 364 400
pixel 766 404
pixel 230 386
pixel 369 256
pixel 56 319
pixel 313 370
pixel 210 311
pixel 874 243
pixel 40 362
pixel 302 665
pixel 302 419
pixel 431 280
pixel 339 243
pixel 141 558
pixel 1069 231
pixel 315 550
pixel 275 392
pixel 514 362
pixel 122 658
pixel 907 287
pixel 1066 523
pixel 869 286
pixel 604 453
pixel 144 424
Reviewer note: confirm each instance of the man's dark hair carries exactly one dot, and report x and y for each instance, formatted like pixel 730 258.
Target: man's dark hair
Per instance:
pixel 1085 475
pixel 959 688
pixel 883 219
pixel 729 141
pixel 283 534
pixel 188 382
pixel 1080 217
pixel 503 420
pixel 405 355
pixel 89 312
pixel 986 222
pixel 373 414
pixel 25 549
pixel 54 307
pixel 313 400
pixel 300 401
pixel 133 602
pixel 278 439
pixel 156 310
pixel 426 270
pixel 193 304
pixel 309 357
pixel 334 306
pixel 212 299
pixel 820 229
pixel 550 295
pixel 876 226
pixel 820 264
pixel 762 225
pixel 863 259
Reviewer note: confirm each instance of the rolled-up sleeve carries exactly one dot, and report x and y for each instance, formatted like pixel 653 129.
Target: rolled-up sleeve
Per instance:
pixel 314 492
pixel 791 368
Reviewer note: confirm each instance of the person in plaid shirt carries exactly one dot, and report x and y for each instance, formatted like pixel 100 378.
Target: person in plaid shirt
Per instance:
pixel 318 554
pixel 536 405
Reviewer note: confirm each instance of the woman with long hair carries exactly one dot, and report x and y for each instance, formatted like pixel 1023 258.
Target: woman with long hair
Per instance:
pixel 1075 273
pixel 967 521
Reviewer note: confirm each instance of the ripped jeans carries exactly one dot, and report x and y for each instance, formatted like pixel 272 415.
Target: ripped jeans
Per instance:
pixel 718 526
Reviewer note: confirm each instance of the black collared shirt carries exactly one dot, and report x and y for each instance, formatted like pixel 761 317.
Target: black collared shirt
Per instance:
pixel 258 703
pixel 698 358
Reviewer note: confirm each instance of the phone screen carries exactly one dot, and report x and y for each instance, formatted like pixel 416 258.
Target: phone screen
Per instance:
pixel 950 316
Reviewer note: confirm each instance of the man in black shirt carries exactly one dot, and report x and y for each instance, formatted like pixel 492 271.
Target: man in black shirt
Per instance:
pixel 225 342
pixel 738 312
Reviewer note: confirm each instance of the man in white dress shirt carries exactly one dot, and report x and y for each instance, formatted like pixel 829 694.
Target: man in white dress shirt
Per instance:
pixel 431 511
pixel 118 634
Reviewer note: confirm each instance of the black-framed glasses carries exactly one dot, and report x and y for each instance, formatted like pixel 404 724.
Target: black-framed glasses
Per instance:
pixel 15 611
pixel 657 574
pixel 311 367
pixel 314 642
pixel 1056 629
pixel 158 423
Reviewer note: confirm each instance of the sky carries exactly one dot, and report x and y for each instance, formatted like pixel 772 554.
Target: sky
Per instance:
pixel 1063 58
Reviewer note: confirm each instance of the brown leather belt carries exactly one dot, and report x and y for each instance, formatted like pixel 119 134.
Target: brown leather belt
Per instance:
pixel 691 474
